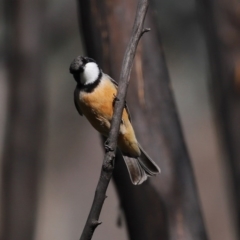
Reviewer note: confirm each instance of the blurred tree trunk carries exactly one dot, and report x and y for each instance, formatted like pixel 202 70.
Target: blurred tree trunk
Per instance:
pixel 222 24
pixel 166 207
pixel 26 117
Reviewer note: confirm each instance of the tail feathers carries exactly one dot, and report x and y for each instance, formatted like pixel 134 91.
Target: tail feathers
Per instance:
pixel 136 172
pixel 148 164
pixel 141 168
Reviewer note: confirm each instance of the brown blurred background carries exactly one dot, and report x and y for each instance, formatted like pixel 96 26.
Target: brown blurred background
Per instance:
pixel 71 149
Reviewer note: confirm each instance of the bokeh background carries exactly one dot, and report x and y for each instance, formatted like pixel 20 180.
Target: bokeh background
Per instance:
pixel 71 151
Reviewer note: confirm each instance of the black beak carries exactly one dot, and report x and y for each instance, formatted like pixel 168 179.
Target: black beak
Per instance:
pixel 76 66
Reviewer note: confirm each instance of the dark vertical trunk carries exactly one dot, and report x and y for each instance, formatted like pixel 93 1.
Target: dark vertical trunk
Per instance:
pixel 222 21
pixel 25 120
pixel 166 207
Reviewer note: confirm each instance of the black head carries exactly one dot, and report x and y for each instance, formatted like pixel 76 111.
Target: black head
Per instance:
pixel 78 64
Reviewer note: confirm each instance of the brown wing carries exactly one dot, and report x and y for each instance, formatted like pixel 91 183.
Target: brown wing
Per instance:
pixel 76 100
pixel 126 106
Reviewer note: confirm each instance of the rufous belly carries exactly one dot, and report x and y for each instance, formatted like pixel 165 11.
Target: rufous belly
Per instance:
pixel 97 106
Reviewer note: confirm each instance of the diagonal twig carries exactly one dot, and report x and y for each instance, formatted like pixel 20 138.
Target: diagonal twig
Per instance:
pixel 111 143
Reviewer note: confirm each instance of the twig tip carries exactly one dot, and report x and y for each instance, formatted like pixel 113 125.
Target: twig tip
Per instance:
pixel 145 30
pixel 96 223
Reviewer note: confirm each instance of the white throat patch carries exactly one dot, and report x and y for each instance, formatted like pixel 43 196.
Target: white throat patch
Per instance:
pixel 90 73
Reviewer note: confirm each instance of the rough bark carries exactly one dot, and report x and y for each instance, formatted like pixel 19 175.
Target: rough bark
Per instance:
pixel 25 120
pixel 166 207
pixel 221 21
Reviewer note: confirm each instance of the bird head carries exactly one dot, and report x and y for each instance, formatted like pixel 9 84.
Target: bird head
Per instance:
pixel 85 70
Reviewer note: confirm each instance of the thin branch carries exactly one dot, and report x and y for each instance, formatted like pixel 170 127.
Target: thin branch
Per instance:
pixel 111 143
pixel 166 207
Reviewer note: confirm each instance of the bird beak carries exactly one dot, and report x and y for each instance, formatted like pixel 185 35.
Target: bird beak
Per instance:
pixel 77 65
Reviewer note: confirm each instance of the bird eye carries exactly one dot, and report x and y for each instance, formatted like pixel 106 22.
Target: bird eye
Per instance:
pixel 84 60
pixel 91 60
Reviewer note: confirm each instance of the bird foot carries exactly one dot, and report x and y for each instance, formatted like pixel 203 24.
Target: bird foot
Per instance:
pixel 107 147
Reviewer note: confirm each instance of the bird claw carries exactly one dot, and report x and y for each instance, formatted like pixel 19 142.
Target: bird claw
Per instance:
pixel 115 99
pixel 107 147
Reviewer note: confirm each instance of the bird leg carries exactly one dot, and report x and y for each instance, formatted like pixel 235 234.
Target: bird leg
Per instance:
pixel 107 147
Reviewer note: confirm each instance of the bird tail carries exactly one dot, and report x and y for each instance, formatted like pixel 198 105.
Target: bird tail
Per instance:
pixel 141 168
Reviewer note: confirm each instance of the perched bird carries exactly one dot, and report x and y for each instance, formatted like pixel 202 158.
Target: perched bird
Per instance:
pixel 94 98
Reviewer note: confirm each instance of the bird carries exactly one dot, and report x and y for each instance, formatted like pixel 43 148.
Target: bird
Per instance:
pixel 94 98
